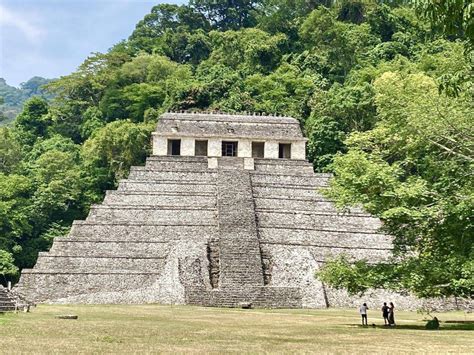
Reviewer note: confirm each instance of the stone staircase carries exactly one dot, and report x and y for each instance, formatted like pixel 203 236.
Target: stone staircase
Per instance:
pixel 7 301
pixel 241 272
pixel 240 258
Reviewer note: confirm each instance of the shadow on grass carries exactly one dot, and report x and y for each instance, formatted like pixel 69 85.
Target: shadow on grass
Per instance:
pixel 451 325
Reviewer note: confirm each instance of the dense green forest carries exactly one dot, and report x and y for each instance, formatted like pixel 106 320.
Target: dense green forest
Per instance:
pixel 383 91
pixel 12 98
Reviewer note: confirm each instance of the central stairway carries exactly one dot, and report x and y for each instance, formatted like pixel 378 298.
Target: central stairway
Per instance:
pixel 240 269
pixel 240 258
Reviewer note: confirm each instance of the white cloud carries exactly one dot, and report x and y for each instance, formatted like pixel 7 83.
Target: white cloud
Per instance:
pixel 20 22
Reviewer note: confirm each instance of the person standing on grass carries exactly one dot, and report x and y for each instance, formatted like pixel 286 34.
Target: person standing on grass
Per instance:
pixel 391 314
pixel 385 313
pixel 363 313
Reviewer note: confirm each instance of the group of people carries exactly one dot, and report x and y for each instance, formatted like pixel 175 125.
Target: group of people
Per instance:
pixel 388 313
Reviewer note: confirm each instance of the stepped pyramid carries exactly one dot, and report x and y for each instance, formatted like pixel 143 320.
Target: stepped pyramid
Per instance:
pixel 226 212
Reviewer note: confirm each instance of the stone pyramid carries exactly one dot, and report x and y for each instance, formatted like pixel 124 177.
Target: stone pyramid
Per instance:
pixel 226 212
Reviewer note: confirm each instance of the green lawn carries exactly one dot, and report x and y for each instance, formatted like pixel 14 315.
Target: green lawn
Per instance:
pixel 156 328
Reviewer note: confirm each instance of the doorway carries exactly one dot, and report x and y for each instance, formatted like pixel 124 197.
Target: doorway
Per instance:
pixel 200 149
pixel 174 146
pixel 229 149
pixel 258 149
pixel 284 151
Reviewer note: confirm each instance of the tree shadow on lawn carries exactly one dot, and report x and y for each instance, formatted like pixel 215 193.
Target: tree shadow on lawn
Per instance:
pixel 448 325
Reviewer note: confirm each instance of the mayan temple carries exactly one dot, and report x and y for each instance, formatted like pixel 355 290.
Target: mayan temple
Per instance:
pixel 226 212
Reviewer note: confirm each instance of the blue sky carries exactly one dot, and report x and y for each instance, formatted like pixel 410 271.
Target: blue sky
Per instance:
pixel 50 38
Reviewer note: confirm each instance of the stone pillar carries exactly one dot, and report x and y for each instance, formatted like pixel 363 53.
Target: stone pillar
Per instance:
pixel 214 147
pixel 212 163
pixel 187 147
pixel 271 150
pixel 249 163
pixel 298 150
pixel 160 145
pixel 245 149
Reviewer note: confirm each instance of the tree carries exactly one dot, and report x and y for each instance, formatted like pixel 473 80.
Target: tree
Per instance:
pixel 110 152
pixel 413 171
pixel 339 46
pixel 335 113
pixel 15 213
pixel 227 15
pixel 10 150
pixel 7 266
pixel 166 18
pixel 33 119
pixel 284 91
pixel 249 50
pixel 139 85
pixel 34 86
pixel 182 46
pixel 450 17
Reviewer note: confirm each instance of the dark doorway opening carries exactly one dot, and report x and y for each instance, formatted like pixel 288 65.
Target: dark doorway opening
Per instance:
pixel 174 146
pixel 229 149
pixel 284 151
pixel 200 149
pixel 258 149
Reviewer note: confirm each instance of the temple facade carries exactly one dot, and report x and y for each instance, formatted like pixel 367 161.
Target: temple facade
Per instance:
pixel 226 212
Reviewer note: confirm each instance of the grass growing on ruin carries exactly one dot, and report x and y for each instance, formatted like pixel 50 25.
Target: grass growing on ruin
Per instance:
pixel 153 328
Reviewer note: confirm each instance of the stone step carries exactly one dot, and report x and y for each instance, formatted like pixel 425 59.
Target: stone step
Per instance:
pixel 154 164
pixel 166 186
pixel 136 231
pixel 176 158
pixel 261 297
pixel 108 248
pixel 141 173
pixel 318 236
pixel 153 214
pixel 7 302
pixel 309 181
pixel 318 220
pixel 322 254
pixel 63 263
pixel 282 162
pixel 172 200
pixel 74 283
pixel 301 170
pixel 275 190
pixel 311 211
pixel 315 205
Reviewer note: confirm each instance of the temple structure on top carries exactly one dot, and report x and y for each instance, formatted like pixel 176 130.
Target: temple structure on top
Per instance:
pixel 226 212
pixel 197 134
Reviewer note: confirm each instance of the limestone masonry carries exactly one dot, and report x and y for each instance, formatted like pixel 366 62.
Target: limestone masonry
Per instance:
pixel 226 212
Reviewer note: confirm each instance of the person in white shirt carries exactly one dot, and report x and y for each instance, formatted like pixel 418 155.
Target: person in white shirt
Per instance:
pixel 363 312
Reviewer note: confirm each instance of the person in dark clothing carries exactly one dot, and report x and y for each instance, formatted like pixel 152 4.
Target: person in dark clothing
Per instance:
pixel 385 313
pixel 391 314
pixel 363 312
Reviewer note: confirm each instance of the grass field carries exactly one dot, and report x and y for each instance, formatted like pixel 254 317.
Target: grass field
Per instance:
pixel 154 328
